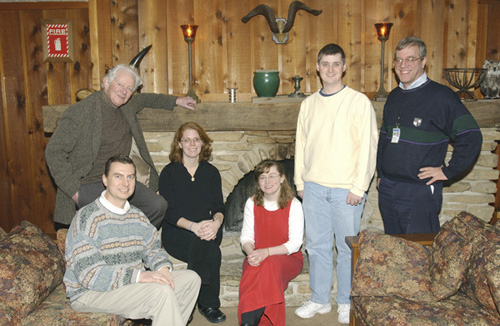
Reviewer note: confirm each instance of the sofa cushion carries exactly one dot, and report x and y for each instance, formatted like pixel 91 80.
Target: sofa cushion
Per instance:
pixel 451 255
pixel 56 311
pixel 492 272
pixel 390 266
pixel 2 234
pixel 456 310
pixel 8 315
pixel 483 237
pixel 61 240
pixel 31 266
pixel 474 229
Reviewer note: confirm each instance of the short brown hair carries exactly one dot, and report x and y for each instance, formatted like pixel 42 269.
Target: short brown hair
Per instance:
pixel 206 148
pixel 118 158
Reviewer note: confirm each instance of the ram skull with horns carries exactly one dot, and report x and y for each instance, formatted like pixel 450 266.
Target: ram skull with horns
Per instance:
pixel 280 26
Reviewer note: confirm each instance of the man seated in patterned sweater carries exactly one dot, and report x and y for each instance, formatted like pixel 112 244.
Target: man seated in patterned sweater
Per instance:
pixel 115 263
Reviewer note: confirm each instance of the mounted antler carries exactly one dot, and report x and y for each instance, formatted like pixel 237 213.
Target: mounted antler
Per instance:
pixel 265 11
pixel 280 26
pixel 136 61
pixel 292 11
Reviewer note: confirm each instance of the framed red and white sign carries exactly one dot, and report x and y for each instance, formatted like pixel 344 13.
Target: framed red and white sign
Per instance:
pixel 57 39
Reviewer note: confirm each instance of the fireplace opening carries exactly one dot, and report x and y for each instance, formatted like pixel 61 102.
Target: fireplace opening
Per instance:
pixel 235 203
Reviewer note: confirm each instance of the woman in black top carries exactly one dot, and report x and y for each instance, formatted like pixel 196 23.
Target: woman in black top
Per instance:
pixel 192 228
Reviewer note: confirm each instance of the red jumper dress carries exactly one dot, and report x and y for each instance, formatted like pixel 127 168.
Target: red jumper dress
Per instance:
pixel 264 285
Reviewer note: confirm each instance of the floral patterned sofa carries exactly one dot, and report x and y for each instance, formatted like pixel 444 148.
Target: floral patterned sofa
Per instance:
pixel 456 281
pixel 31 272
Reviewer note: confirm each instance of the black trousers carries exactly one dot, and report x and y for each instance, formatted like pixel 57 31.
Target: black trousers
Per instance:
pixel 203 257
pixel 408 207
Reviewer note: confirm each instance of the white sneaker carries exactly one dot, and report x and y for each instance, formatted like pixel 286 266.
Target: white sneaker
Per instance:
pixel 344 311
pixel 309 309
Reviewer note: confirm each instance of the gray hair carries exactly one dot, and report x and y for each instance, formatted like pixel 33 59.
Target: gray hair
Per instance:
pixel 412 41
pixel 131 70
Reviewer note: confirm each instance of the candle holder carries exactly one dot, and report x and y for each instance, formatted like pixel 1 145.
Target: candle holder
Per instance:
pixel 296 79
pixel 189 32
pixel 383 30
pixel 463 79
pixel 232 94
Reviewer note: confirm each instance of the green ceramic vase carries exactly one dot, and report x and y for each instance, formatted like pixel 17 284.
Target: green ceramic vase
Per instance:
pixel 266 82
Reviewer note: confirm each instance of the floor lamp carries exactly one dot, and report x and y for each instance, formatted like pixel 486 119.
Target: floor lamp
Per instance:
pixel 383 30
pixel 189 32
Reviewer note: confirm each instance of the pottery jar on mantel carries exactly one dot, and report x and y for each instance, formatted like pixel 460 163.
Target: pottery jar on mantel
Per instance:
pixel 266 82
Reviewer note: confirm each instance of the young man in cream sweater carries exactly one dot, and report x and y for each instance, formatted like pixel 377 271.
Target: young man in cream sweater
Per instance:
pixel 335 156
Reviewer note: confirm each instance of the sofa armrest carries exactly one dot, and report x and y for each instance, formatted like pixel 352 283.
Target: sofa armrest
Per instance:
pixel 425 239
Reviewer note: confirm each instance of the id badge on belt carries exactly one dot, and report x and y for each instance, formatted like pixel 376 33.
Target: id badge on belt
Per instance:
pixel 396 132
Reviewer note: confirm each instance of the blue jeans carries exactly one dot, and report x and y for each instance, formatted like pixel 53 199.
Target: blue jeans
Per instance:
pixel 327 215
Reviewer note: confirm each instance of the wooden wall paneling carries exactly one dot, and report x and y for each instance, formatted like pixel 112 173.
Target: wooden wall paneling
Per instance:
pixel 124 30
pixel 224 38
pixel 152 26
pixel 80 71
pixel 294 52
pixel 100 39
pixel 405 24
pixel 472 38
pixel 324 29
pixel 471 21
pixel 433 36
pixel 493 33
pixel 349 38
pixel 239 48
pixel 58 81
pixel 209 67
pixel 180 12
pixel 6 213
pixel 482 33
pixel 42 190
pixel 456 41
pixel 16 116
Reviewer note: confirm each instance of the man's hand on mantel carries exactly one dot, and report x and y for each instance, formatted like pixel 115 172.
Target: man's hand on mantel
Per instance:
pixel 186 102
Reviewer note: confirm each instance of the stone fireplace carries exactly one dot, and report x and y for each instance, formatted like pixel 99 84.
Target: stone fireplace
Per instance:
pixel 246 133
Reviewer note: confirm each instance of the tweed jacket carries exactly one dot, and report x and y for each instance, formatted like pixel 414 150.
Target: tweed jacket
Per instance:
pixel 73 147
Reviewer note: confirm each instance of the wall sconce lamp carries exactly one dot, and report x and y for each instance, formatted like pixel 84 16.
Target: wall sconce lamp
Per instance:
pixel 383 30
pixel 189 32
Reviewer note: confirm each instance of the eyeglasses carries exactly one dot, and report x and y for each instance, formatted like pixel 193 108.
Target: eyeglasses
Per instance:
pixel 409 61
pixel 187 141
pixel 271 177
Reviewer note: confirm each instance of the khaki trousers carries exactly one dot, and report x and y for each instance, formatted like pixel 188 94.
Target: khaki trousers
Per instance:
pixel 160 303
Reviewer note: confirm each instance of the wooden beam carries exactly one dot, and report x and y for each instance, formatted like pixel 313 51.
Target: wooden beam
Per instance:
pixel 250 116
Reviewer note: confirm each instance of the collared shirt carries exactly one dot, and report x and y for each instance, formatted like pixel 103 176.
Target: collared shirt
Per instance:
pixel 420 80
pixel 117 210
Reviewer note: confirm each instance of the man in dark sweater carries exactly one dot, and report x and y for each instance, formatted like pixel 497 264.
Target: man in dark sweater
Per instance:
pixel 93 130
pixel 420 118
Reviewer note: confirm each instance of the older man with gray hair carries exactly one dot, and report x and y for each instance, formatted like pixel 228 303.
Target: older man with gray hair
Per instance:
pixel 102 125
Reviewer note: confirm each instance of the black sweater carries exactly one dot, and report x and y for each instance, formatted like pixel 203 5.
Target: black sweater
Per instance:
pixel 428 116
pixel 196 200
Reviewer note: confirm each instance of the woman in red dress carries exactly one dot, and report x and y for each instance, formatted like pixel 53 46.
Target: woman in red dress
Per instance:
pixel 271 237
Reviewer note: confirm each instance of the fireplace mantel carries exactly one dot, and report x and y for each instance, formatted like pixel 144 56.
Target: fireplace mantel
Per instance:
pixel 247 116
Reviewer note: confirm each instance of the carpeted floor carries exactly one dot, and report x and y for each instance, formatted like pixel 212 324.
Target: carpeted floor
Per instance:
pixel 329 319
